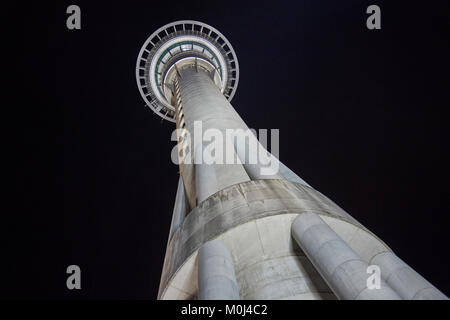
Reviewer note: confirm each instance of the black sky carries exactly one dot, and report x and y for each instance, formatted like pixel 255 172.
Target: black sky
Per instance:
pixel 363 118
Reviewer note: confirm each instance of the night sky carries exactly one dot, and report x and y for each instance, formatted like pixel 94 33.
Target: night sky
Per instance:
pixel 363 118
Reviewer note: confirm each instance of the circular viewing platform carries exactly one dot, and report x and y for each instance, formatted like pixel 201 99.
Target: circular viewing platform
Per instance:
pixel 178 45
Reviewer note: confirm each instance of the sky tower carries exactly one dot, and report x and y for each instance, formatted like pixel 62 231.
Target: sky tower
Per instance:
pixel 238 232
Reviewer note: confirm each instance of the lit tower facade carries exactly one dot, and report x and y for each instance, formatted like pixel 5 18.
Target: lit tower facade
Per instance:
pixel 237 233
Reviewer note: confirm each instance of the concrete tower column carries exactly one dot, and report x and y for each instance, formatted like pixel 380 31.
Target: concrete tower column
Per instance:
pixel 216 278
pixel 257 161
pixel 404 280
pixel 341 267
pixel 205 105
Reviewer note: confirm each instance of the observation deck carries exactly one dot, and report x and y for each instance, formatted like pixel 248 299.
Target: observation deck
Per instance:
pixel 176 46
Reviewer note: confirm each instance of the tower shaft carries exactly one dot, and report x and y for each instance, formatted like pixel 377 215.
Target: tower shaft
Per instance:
pixel 246 218
pixel 244 225
pixel 202 104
